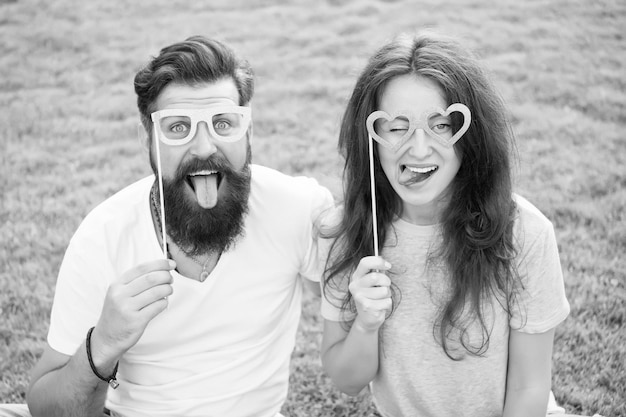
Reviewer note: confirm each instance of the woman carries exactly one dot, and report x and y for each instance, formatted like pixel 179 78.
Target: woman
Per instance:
pixel 457 315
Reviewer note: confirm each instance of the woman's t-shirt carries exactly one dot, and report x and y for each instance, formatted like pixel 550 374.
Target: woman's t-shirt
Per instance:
pixel 415 376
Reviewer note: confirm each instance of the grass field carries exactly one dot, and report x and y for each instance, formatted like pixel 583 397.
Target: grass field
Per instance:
pixel 68 140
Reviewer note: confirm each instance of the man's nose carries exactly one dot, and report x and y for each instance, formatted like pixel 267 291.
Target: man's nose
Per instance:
pixel 203 144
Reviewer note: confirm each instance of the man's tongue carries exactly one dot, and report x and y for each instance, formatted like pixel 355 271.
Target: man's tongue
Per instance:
pixel 205 187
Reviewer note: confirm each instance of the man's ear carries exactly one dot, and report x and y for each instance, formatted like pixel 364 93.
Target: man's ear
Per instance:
pixel 249 132
pixel 143 137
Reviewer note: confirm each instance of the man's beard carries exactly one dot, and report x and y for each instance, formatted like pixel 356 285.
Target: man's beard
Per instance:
pixel 197 230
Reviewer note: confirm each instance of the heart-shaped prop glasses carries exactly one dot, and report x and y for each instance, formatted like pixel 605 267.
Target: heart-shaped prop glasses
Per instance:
pixel 393 131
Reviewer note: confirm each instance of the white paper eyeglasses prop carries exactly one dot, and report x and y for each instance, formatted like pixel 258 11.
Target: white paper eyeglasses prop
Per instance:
pixel 393 131
pixel 177 127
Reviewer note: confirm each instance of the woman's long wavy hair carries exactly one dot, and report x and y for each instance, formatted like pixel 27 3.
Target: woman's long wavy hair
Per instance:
pixel 477 225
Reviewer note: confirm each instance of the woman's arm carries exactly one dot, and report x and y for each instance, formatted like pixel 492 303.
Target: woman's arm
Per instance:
pixel 350 358
pixel 529 374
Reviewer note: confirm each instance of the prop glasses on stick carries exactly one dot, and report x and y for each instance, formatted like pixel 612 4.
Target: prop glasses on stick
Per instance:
pixel 176 127
pixel 393 131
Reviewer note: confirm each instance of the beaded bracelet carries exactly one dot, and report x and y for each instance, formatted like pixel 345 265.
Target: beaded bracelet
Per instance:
pixel 110 380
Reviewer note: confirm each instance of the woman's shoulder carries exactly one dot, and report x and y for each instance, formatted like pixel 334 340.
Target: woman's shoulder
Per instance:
pixel 528 210
pixel 530 222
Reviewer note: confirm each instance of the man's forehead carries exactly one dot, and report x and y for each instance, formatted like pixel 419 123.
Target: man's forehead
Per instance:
pixel 179 95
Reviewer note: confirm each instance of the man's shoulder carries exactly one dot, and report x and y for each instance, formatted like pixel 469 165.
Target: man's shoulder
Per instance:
pixel 290 198
pixel 270 176
pixel 271 181
pixel 122 206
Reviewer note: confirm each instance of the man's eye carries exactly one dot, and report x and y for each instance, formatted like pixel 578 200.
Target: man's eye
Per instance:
pixel 222 125
pixel 179 128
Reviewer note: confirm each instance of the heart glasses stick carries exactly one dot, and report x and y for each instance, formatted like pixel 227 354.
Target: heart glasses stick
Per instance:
pixel 373 193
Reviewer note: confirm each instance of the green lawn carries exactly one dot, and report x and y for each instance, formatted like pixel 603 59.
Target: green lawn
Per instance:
pixel 68 139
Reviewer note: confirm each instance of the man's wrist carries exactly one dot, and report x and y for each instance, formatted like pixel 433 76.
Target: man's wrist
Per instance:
pixel 109 374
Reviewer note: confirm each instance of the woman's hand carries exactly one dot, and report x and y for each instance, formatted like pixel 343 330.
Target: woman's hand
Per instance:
pixel 371 291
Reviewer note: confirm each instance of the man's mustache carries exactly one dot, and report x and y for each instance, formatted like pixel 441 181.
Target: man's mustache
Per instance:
pixel 213 163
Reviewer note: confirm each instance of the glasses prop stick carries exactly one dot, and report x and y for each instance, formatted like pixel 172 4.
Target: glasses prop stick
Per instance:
pixel 161 200
pixel 373 194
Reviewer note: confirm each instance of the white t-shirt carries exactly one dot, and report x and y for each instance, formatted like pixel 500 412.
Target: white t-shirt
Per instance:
pixel 415 377
pixel 222 348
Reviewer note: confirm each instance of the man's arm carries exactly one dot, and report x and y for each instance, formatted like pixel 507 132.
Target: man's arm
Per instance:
pixel 63 385
pixel 529 374
pixel 313 287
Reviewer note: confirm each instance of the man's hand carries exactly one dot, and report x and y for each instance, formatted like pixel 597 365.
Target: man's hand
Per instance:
pixel 130 304
pixel 371 291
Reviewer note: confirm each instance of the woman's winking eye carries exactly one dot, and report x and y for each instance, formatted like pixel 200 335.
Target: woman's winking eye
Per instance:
pixel 399 125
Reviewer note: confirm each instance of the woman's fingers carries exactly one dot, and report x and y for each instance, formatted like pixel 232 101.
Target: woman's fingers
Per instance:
pixel 370 263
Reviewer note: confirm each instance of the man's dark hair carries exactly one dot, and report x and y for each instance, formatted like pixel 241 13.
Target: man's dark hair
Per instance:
pixel 194 61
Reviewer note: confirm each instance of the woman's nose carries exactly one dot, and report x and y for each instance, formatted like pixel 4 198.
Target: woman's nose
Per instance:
pixel 420 144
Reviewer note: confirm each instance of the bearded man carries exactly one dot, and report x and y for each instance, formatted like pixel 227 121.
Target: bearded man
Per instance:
pixel 180 295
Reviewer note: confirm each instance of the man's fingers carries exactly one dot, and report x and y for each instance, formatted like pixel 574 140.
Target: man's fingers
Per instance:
pixel 153 309
pixel 147 281
pixel 151 295
pixel 147 267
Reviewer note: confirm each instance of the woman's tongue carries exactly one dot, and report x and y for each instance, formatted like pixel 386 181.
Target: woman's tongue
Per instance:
pixel 205 187
pixel 413 175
